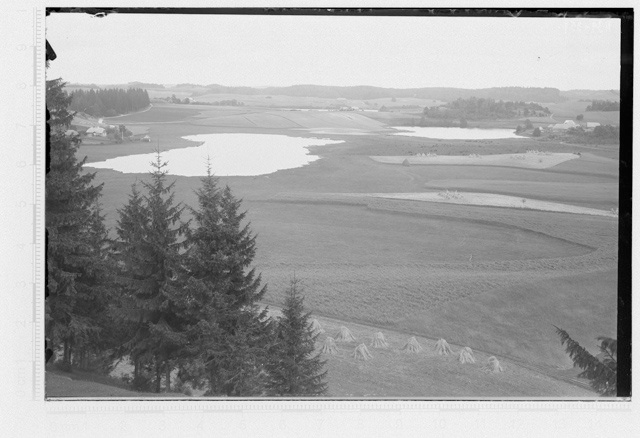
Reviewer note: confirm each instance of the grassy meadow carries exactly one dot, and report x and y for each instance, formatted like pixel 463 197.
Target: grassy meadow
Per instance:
pixel 494 279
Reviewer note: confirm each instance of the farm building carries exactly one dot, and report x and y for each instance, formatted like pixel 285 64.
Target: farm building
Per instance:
pixel 592 125
pixel 97 131
pixel 146 138
pixel 563 126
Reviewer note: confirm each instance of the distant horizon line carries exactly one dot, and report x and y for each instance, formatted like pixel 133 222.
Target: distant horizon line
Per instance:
pixel 173 85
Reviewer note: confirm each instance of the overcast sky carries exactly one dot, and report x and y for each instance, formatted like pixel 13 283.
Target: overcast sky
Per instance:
pixel 399 52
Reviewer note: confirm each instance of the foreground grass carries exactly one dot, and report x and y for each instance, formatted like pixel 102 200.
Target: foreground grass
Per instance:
pixel 390 372
pixel 80 384
pixel 395 373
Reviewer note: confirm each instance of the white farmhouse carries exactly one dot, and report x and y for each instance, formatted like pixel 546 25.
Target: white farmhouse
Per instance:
pixel 564 126
pixel 96 131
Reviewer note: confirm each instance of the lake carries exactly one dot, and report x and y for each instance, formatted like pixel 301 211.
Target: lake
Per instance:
pixel 457 133
pixel 231 155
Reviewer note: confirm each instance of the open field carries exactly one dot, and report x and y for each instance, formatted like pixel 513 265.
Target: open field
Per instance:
pixel 570 109
pixel 527 160
pixel 494 279
pixel 494 200
pixel 280 101
pixel 596 195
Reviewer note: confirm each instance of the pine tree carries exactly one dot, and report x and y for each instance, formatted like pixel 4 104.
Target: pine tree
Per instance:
pixel 228 331
pixel 150 239
pixel 95 347
pixel 135 266
pixel 294 369
pixel 602 373
pixel 75 232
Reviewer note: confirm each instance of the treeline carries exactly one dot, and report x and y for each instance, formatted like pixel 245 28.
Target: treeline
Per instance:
pixel 109 102
pixel 229 102
pixel 177 299
pixel 364 92
pixel 188 100
pixel 603 134
pixel 603 105
pixel 481 108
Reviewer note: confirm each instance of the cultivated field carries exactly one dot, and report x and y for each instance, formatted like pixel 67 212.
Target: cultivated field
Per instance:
pixel 492 278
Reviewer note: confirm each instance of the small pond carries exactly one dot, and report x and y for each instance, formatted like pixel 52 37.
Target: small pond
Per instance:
pixel 456 133
pixel 230 154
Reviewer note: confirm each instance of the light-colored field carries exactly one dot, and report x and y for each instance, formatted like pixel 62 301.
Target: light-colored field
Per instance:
pixel 274 119
pixel 336 131
pixel 526 160
pixel 603 196
pixel 493 200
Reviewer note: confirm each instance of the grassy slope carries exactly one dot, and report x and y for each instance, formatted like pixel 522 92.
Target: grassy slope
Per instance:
pixel 395 373
pixel 506 311
pixel 390 373
pixel 88 385
pixel 518 320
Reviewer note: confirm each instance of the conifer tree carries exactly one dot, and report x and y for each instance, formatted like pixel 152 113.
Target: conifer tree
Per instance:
pixel 294 369
pixel 75 232
pixel 135 266
pixel 150 238
pixel 94 347
pixel 229 332
pixel 601 372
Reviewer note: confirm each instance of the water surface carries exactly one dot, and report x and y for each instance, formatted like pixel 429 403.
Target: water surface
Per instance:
pixel 456 133
pixel 230 154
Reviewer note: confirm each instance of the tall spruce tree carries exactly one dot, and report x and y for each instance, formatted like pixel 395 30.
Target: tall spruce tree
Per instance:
pixel 75 233
pixel 294 369
pixel 150 235
pixel 228 331
pixel 135 267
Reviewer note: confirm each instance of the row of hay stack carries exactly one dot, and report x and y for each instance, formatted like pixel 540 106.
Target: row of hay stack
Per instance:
pixel 465 355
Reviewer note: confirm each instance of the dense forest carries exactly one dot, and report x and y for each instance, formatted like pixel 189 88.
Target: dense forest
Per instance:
pixel 109 102
pixel 481 108
pixel 603 105
pixel 176 299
